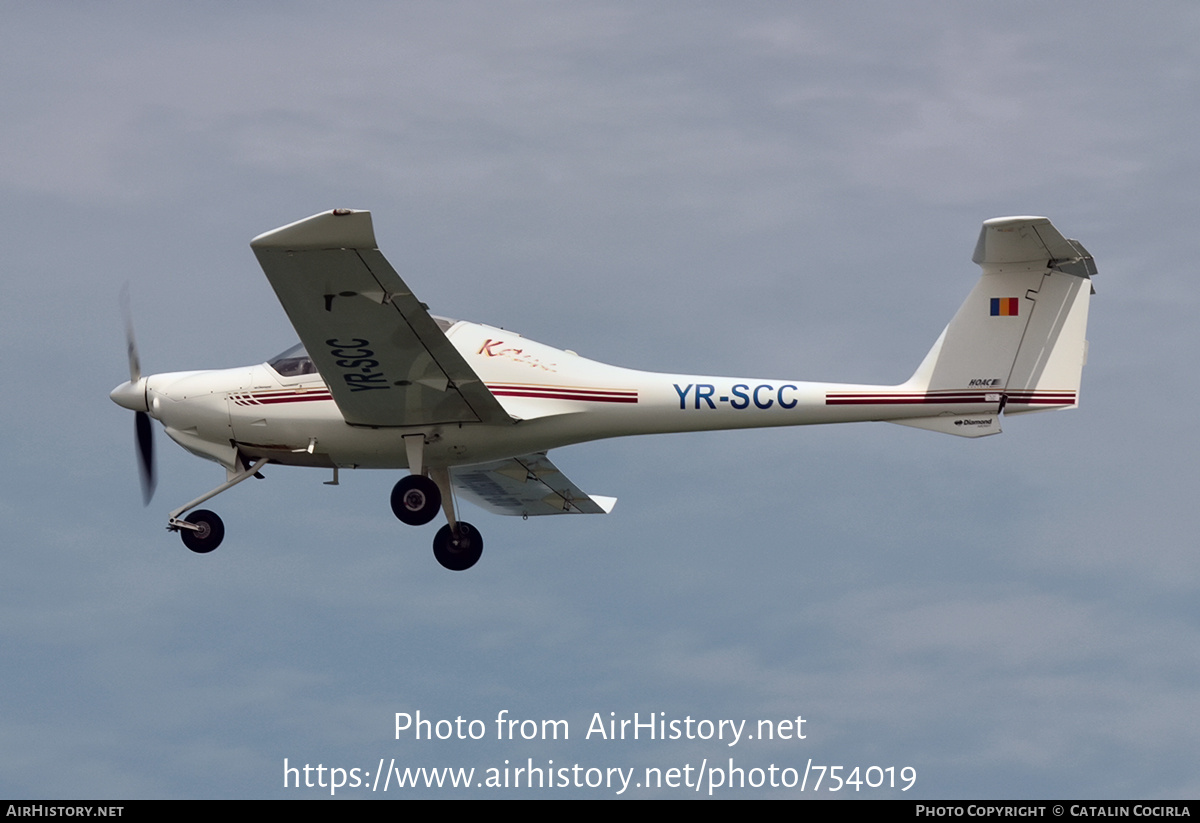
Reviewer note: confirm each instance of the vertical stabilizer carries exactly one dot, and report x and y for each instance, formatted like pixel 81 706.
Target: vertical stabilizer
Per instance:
pixel 1019 339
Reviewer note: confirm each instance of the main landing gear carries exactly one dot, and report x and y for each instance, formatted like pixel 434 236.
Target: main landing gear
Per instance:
pixel 415 501
pixel 458 548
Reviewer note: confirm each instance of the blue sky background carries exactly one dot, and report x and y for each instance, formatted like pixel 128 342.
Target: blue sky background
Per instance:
pixel 786 189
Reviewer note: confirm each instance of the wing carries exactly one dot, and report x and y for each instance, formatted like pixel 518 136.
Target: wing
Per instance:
pixel 382 355
pixel 528 485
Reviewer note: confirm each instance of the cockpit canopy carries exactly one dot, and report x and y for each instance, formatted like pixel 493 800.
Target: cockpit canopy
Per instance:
pixel 295 361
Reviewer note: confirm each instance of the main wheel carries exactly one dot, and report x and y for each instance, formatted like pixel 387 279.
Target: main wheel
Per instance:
pixel 458 549
pixel 208 536
pixel 416 500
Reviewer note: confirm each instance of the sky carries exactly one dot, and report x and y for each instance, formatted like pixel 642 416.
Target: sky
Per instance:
pixel 782 189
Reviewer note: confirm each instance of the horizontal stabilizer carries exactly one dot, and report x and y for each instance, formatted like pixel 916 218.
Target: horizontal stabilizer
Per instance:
pixel 1009 242
pixel 963 425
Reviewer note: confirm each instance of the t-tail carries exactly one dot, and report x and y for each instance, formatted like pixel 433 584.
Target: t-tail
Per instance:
pixel 1018 344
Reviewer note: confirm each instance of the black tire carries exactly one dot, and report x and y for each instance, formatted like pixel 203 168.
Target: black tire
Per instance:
pixel 210 534
pixel 458 552
pixel 416 500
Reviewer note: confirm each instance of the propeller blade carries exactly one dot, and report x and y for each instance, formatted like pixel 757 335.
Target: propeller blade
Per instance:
pixel 135 365
pixel 143 429
pixel 145 444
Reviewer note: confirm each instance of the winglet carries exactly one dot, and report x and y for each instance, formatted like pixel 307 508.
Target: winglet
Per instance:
pixel 337 229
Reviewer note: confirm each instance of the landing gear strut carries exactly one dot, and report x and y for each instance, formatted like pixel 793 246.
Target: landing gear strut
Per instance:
pixel 457 545
pixel 416 500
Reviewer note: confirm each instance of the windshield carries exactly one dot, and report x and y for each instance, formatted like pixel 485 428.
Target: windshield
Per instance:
pixel 293 362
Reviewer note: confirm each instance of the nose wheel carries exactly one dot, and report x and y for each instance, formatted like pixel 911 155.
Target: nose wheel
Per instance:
pixel 202 531
pixel 207 534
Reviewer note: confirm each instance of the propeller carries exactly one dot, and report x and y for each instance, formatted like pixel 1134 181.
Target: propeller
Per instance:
pixel 145 443
pixel 143 430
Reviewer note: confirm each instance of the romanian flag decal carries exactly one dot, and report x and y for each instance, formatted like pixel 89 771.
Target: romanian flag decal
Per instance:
pixel 1005 306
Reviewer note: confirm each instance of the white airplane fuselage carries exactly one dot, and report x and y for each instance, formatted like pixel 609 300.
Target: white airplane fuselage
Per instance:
pixel 555 398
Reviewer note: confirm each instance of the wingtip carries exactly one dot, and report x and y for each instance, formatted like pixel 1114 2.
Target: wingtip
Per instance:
pixel 605 503
pixel 334 229
pixel 1017 219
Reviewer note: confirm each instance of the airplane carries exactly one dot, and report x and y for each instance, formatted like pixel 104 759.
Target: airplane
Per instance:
pixel 470 410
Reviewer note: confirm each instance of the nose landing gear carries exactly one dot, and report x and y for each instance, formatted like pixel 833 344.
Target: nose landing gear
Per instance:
pixel 208 531
pixel 203 531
